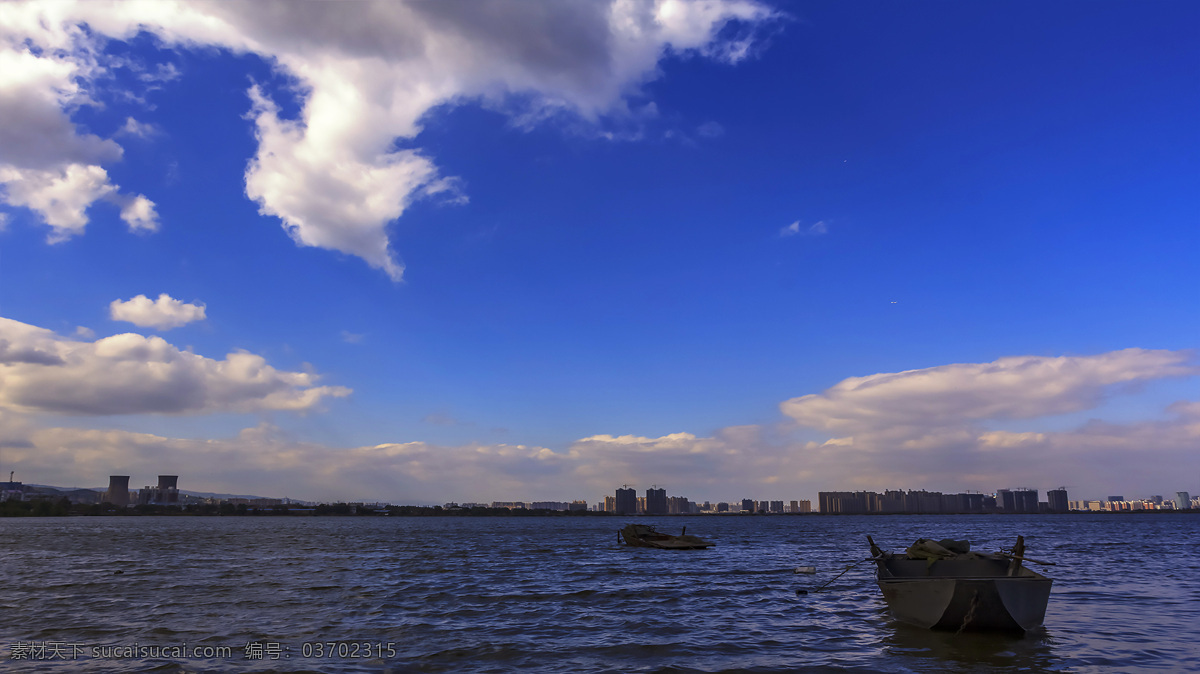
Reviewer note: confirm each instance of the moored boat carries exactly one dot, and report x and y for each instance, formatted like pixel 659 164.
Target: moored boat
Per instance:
pixel 645 536
pixel 941 585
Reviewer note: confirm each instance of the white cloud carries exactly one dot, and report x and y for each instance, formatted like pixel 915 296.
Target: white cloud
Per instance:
pixel 36 91
pixel 736 462
pixel 163 72
pixel 61 197
pixel 137 212
pixel 928 428
pixel 329 198
pixel 132 374
pixel 46 164
pixel 1020 387
pixel 264 460
pixel 366 76
pixel 352 337
pixel 137 129
pixel 816 229
pixel 163 313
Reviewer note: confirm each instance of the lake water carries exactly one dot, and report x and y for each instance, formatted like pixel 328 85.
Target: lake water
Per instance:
pixel 555 594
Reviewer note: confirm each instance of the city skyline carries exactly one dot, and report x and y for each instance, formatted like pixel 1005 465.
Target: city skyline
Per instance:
pixel 430 252
pixel 1013 500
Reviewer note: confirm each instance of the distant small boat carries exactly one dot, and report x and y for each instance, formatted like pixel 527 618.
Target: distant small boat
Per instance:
pixel 645 536
pixel 942 586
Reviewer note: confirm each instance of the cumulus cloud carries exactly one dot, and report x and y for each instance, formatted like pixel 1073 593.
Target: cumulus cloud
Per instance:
pixel 163 313
pixel 365 77
pixel 267 461
pixel 47 164
pixel 1021 387
pixel 760 462
pixel 132 374
pixel 20 353
pixel 734 463
pixel 928 428
pixel 138 212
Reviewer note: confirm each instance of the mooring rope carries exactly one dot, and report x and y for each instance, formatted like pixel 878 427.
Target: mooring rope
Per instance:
pixel 844 571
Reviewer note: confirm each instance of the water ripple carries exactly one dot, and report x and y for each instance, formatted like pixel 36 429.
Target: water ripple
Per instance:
pixel 555 594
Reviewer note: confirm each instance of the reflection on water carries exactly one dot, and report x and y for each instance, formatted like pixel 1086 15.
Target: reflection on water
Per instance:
pixel 552 594
pixel 925 650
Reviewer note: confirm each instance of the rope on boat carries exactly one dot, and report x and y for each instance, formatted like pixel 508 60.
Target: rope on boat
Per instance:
pixel 970 613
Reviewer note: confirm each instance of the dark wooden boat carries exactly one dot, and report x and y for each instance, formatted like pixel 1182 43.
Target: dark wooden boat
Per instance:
pixel 645 536
pixel 962 591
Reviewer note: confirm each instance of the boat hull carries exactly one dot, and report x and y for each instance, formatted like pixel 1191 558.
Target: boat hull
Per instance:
pixel 967 593
pixel 642 536
pixel 1007 604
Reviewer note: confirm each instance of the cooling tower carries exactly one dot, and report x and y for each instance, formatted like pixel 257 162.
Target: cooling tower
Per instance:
pixel 168 489
pixel 118 490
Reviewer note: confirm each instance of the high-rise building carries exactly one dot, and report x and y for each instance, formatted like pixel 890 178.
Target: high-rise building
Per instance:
pixel 626 501
pixel 1056 499
pixel 1027 500
pixel 747 505
pixel 850 502
pixel 921 501
pixel 679 505
pixel 656 501
pixel 1183 500
pixel 1006 500
pixel 970 503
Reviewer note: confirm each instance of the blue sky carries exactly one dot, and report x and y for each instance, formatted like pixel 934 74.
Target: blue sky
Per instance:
pixel 744 250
